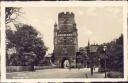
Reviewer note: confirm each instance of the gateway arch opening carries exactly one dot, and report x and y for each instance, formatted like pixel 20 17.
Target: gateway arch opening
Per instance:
pixel 65 63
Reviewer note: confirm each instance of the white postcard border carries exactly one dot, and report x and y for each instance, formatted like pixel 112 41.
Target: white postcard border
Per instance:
pixel 63 4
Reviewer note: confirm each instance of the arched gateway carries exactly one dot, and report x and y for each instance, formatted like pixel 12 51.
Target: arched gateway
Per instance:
pixel 65 40
pixel 65 63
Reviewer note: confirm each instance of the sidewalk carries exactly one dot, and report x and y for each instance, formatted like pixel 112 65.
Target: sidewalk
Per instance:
pixel 96 74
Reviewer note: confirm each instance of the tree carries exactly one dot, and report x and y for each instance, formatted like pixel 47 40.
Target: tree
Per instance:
pixel 29 45
pixel 11 14
pixel 114 53
pixel 25 45
pixel 10 54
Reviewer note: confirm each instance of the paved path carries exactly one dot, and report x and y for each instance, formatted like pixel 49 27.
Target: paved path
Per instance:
pixel 53 73
pixel 96 74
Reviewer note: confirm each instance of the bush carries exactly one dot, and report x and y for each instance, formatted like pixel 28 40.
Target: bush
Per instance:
pixel 114 74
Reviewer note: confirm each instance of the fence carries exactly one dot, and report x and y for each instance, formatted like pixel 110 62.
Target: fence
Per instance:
pixel 18 68
pixel 26 68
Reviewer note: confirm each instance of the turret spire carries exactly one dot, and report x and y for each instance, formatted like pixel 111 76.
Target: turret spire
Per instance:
pixel 88 43
pixel 55 26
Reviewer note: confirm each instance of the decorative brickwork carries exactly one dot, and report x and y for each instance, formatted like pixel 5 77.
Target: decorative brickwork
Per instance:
pixel 65 39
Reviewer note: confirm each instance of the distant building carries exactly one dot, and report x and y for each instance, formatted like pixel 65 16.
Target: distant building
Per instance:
pixel 92 52
pixel 65 40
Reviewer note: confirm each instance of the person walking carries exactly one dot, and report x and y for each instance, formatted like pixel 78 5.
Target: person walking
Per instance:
pixel 94 67
pixel 91 71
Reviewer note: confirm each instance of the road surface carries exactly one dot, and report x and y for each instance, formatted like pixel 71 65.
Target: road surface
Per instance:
pixel 55 73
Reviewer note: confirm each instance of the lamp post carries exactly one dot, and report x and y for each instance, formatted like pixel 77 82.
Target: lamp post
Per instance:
pixel 104 48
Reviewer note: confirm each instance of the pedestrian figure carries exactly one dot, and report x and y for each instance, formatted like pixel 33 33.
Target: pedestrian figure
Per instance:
pixel 91 71
pixel 86 75
pixel 94 67
pixel 32 66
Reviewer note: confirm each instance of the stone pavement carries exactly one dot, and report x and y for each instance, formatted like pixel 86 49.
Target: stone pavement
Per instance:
pixel 96 74
pixel 55 73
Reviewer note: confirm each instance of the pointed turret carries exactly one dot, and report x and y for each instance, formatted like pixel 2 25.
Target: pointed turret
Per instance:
pixel 88 44
pixel 55 26
pixel 88 47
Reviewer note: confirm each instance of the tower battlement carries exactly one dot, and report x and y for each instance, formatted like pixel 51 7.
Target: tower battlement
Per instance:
pixel 66 15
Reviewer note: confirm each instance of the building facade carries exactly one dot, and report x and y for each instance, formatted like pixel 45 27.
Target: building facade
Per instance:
pixel 65 40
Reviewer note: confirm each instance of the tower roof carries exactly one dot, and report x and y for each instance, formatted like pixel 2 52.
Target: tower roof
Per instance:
pixel 88 43
pixel 65 14
pixel 55 25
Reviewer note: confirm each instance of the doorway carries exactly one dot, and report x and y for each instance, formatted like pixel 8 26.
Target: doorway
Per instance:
pixel 65 63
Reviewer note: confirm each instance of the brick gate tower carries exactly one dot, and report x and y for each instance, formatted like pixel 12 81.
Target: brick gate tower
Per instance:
pixel 65 40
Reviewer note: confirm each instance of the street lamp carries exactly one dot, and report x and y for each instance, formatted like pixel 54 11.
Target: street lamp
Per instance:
pixel 104 49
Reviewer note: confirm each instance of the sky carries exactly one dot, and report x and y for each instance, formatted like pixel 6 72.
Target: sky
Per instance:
pixel 96 24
